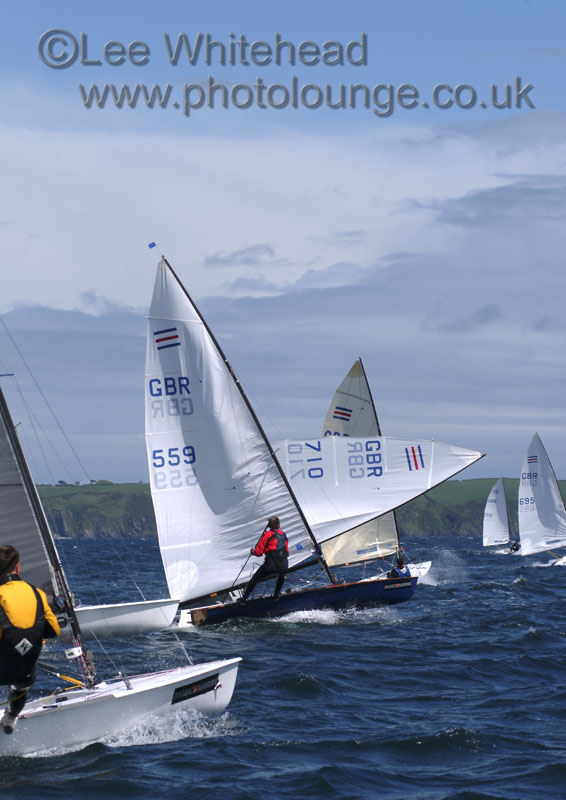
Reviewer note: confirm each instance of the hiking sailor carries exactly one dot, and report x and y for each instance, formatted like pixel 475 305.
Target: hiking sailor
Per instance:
pixel 274 545
pixel 25 621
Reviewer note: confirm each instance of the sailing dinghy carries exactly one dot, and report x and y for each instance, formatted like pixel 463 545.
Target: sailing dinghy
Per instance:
pixel 352 413
pixel 116 619
pixel 542 516
pixel 215 478
pixel 496 519
pixel 78 716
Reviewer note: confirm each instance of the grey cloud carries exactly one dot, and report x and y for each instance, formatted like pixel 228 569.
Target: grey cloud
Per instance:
pixel 520 202
pixel 344 239
pixel 478 319
pixel 343 273
pixel 253 256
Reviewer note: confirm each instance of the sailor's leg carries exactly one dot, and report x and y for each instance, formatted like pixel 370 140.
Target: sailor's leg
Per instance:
pixel 17 699
pixel 279 585
pixel 258 575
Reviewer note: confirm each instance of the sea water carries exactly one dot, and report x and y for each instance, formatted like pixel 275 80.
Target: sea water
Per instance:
pixel 457 694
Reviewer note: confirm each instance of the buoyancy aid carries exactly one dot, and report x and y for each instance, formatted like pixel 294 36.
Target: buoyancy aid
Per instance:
pixel 280 540
pixel 20 647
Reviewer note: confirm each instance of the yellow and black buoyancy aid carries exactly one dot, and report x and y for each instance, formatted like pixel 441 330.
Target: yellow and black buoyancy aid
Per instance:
pixel 20 647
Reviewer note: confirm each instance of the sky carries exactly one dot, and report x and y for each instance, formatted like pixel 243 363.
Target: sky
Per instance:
pixel 420 227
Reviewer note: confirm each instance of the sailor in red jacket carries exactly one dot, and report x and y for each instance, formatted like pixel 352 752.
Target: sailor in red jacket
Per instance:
pixel 274 546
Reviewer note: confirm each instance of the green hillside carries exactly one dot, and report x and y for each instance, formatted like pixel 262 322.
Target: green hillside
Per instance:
pixel 125 509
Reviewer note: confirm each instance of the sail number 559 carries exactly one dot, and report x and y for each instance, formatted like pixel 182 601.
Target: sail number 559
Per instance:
pixel 173 456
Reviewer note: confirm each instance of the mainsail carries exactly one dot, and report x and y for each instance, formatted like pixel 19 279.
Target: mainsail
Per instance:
pixel 22 515
pixel 214 481
pixel 495 517
pixel 19 512
pixel 352 413
pixel 343 482
pixel 215 478
pixel 542 517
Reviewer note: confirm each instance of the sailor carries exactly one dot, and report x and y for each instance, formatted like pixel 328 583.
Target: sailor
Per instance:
pixel 401 570
pixel 274 545
pixel 25 621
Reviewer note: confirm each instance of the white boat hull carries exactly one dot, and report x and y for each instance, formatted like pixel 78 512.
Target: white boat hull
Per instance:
pixel 123 619
pixel 83 716
pixel 419 570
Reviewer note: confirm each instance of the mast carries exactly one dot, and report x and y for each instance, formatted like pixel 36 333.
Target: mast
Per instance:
pixel 379 434
pixel 256 421
pixel 46 537
pixel 370 396
pixel 373 540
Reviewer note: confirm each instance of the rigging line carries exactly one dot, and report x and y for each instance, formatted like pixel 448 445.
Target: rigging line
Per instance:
pixel 182 646
pixel 36 426
pixel 45 399
pixel 34 430
pixel 33 426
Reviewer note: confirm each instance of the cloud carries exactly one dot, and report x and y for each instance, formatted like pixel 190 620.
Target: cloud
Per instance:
pixel 345 239
pixel 522 201
pixel 451 290
pixel 253 256
pixel 478 319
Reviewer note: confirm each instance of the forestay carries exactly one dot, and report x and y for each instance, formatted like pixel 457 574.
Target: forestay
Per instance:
pixel 542 517
pixel 495 517
pixel 352 413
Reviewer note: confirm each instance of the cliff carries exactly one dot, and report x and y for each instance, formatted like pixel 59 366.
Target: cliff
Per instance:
pixel 106 509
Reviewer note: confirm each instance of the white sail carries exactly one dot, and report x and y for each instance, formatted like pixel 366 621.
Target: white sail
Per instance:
pixel 495 518
pixel 341 483
pixel 93 710
pixel 352 413
pixel 542 517
pixel 213 479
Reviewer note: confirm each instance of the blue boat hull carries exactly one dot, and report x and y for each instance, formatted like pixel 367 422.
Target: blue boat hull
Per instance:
pixel 341 596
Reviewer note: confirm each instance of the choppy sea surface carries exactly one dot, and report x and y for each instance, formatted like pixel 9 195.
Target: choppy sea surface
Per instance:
pixel 457 694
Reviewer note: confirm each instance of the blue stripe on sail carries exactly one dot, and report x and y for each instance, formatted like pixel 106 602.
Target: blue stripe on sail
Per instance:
pixel 165 346
pixel 408 459
pixel 421 455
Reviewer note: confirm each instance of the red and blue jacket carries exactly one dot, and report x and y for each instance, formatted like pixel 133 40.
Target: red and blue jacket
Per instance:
pixel 271 541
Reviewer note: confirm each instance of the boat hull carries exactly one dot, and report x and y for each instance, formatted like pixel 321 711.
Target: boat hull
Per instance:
pixel 360 594
pixel 82 716
pixel 122 619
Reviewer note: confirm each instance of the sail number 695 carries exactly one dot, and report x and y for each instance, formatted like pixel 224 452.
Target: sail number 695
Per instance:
pixel 173 456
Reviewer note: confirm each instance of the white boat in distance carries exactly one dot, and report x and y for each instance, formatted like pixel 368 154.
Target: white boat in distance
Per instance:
pixel 495 529
pixel 352 413
pixel 542 516
pixel 70 718
pixel 215 478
